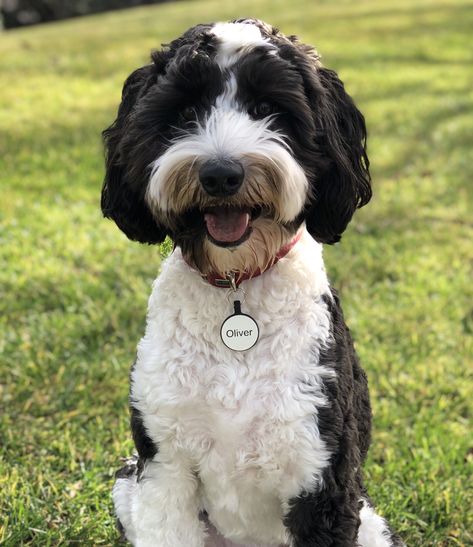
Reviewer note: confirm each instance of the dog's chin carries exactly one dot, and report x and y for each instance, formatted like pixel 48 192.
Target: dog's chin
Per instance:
pixel 258 247
pixel 218 238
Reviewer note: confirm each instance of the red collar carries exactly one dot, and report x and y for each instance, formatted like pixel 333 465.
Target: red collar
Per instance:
pixel 235 278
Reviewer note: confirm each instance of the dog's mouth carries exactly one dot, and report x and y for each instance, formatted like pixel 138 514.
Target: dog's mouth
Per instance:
pixel 229 226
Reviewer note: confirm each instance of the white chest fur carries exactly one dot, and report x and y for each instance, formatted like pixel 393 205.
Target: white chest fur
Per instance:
pixel 245 421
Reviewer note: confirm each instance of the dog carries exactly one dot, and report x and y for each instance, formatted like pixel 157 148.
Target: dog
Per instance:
pixel 249 410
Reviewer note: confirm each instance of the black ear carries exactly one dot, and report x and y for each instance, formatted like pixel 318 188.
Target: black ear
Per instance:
pixel 342 183
pixel 123 197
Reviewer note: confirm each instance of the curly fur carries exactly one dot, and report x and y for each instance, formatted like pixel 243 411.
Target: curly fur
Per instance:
pixel 264 447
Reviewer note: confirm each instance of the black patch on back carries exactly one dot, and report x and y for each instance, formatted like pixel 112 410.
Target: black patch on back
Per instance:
pixel 330 516
pixel 144 445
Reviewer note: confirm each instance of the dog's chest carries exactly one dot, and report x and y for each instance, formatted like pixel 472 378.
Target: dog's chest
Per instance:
pixel 246 421
pixel 260 449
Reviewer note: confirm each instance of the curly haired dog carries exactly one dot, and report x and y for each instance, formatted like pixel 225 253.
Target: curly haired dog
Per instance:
pixel 249 410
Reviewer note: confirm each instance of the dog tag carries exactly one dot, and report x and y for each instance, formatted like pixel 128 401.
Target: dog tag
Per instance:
pixel 239 332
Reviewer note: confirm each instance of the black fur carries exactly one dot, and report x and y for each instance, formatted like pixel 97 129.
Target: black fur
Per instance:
pixel 148 118
pixel 330 516
pixel 122 194
pixel 145 447
pixel 329 130
pixel 345 184
pixel 327 136
pixel 319 120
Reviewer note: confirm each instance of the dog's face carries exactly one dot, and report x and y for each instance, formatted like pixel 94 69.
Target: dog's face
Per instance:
pixel 228 141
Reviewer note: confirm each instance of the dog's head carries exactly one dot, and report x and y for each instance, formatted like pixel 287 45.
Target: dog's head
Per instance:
pixel 228 141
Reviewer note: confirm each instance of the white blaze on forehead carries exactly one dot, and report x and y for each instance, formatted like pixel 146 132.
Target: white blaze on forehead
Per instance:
pixel 234 39
pixel 227 100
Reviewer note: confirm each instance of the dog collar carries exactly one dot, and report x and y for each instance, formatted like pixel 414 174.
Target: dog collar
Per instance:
pixel 234 278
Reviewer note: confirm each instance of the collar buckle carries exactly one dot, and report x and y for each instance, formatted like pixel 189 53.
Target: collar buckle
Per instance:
pixel 222 283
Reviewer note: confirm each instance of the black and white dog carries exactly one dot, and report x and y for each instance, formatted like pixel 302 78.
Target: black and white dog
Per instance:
pixel 250 412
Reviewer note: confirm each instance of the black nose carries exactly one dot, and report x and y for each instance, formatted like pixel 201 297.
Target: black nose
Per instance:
pixel 221 178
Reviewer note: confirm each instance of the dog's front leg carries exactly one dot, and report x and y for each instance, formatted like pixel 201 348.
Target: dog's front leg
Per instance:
pixel 165 506
pixel 329 518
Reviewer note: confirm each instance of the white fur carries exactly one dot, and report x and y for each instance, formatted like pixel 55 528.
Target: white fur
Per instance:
pixel 237 434
pixel 229 133
pixel 373 531
pixel 235 40
pixel 227 100
pixel 124 492
pixel 258 251
pixel 236 431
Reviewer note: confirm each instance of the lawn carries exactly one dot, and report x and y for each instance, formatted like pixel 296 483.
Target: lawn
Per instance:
pixel 73 289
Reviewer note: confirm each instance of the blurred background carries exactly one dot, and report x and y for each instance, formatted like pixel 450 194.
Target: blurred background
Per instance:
pixel 19 13
pixel 73 289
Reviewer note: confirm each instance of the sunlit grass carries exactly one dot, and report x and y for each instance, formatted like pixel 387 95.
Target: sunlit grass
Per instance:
pixel 73 290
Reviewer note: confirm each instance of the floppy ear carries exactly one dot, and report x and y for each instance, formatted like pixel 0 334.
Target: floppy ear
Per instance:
pixel 123 195
pixel 342 183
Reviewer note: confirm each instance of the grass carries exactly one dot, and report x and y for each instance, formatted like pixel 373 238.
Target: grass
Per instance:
pixel 73 290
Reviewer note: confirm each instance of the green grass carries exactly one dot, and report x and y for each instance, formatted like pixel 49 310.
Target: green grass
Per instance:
pixel 73 290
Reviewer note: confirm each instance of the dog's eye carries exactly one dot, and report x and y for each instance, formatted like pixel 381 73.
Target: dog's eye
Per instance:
pixel 262 110
pixel 188 114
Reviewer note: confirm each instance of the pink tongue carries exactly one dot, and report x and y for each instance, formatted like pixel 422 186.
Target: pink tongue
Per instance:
pixel 226 225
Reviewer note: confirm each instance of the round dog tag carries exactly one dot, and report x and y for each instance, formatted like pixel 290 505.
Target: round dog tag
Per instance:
pixel 239 332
